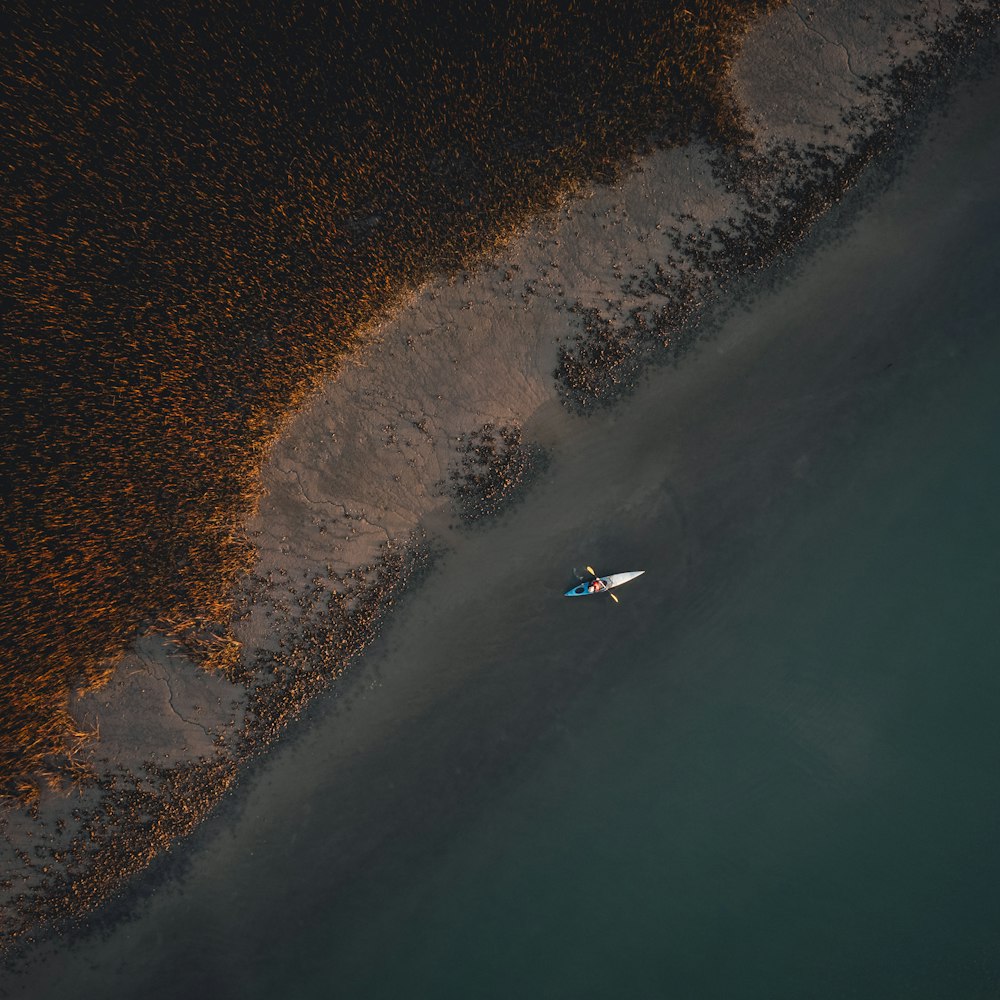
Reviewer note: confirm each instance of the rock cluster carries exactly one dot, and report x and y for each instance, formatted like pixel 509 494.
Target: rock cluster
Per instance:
pixel 493 467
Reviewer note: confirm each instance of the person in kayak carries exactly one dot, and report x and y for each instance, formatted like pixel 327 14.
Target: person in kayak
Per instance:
pixel 597 585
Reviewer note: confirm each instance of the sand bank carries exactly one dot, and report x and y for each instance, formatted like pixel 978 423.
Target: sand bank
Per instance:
pixel 362 481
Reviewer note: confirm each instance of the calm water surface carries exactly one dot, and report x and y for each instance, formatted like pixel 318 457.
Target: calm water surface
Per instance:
pixel 800 798
pixel 795 794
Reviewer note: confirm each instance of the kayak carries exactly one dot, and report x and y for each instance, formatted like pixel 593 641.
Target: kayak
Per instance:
pixel 615 580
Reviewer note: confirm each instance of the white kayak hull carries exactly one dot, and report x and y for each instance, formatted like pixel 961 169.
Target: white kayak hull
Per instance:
pixel 614 580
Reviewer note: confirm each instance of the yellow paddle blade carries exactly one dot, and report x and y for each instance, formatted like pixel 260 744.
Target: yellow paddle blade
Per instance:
pixel 592 571
pixel 613 598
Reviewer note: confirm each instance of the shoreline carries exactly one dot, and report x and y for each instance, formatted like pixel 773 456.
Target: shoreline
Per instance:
pixel 466 697
pixel 335 448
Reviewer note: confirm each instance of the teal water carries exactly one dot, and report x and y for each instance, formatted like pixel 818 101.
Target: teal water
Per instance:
pixel 791 788
pixel 803 801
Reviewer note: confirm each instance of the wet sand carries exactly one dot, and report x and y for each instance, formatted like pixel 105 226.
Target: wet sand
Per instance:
pixel 370 461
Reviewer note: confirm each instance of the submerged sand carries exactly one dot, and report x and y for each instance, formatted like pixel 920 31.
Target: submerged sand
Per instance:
pixel 361 484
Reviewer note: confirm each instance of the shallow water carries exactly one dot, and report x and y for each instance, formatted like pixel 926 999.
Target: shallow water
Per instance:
pixel 770 772
pixel 797 798
pixel 789 787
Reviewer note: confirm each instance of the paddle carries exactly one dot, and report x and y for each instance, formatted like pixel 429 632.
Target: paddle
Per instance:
pixel 593 573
